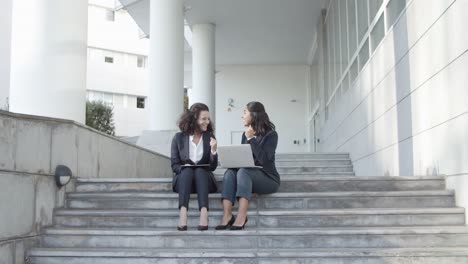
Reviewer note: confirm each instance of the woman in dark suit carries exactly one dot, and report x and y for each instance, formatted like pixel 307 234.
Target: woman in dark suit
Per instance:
pixel 192 147
pixel 241 183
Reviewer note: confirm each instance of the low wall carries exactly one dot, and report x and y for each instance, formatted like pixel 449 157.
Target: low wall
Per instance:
pixel 30 149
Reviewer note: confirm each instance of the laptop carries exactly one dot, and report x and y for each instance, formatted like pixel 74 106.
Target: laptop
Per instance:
pixel 236 156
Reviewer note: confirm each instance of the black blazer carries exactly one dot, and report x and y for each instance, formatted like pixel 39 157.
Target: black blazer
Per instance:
pixel 264 148
pixel 180 155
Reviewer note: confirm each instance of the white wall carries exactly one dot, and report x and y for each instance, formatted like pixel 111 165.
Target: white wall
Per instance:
pixel 5 49
pixel 48 69
pixel 121 40
pixel 407 113
pixel 122 34
pixel 275 87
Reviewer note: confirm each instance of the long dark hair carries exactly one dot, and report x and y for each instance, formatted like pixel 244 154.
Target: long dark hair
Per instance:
pixel 260 121
pixel 188 121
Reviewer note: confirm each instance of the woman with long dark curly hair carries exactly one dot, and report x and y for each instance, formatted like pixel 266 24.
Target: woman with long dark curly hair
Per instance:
pixel 241 183
pixel 193 158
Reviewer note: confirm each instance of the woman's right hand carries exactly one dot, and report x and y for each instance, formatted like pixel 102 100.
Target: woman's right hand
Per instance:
pixel 249 132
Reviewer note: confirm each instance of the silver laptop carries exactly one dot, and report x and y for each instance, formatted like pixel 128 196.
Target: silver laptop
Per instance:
pixel 236 156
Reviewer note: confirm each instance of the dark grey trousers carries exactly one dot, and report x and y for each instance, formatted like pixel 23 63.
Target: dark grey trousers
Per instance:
pixel 245 181
pixel 189 176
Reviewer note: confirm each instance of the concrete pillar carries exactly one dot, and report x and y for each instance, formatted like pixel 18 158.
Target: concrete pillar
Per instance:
pixel 166 64
pixel 49 54
pixel 203 69
pixel 5 52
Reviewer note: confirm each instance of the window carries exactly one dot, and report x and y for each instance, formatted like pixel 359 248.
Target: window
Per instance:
pixel 344 36
pixel 110 15
pixel 141 62
pixel 374 6
pixel 354 70
pixel 109 59
pixel 394 9
pixel 108 98
pixel 364 55
pixel 363 18
pixel 378 33
pixel 141 102
pixel 352 27
pixel 345 84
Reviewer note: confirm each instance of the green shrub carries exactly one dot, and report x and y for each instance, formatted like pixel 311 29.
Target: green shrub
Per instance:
pixel 100 116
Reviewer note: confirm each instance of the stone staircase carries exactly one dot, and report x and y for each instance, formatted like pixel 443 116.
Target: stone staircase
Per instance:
pixel 322 214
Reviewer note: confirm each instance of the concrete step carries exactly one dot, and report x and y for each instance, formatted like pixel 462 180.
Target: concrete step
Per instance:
pixel 300 183
pixel 318 200
pixel 439 255
pixel 264 218
pixel 220 173
pixel 318 169
pixel 311 155
pixel 313 162
pixel 367 237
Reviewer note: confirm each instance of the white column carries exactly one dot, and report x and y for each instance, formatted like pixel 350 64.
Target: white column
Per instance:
pixel 5 52
pixel 203 69
pixel 166 63
pixel 49 54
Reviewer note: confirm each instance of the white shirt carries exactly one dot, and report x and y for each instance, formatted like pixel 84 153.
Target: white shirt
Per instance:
pixel 196 151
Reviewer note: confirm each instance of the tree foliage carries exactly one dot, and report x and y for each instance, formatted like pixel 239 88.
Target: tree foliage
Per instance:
pixel 100 116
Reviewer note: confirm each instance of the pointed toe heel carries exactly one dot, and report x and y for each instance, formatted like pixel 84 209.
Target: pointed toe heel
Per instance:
pixel 229 224
pixel 182 228
pixel 239 227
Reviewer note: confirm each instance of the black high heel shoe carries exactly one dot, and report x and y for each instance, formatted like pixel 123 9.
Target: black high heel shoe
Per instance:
pixel 202 228
pixel 229 224
pixel 239 227
pixel 182 228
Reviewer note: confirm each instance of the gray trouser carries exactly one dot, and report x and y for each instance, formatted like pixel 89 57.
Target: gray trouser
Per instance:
pixel 243 182
pixel 189 176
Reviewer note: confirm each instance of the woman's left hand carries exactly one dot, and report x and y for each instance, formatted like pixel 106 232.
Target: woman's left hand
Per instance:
pixel 214 145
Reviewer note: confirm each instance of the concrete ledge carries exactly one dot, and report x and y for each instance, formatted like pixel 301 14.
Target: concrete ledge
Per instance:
pixel 35 144
pixel 30 149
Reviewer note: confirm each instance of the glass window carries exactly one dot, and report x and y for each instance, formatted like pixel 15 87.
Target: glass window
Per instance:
pixel 344 36
pixel 378 33
pixel 140 102
pixel 345 84
pixel 394 9
pixel 141 62
pixel 109 59
pixel 374 6
pixel 354 70
pixel 108 98
pixel 337 45
pixel 363 18
pixel 331 45
pixel 364 55
pixel 118 100
pixel 352 32
pixel 96 96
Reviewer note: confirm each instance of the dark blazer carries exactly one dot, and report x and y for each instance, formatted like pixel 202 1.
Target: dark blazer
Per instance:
pixel 264 148
pixel 180 155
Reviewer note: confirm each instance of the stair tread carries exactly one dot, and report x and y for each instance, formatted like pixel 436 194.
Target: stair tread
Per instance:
pixel 242 253
pixel 250 231
pixel 165 212
pixel 286 179
pixel 133 194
